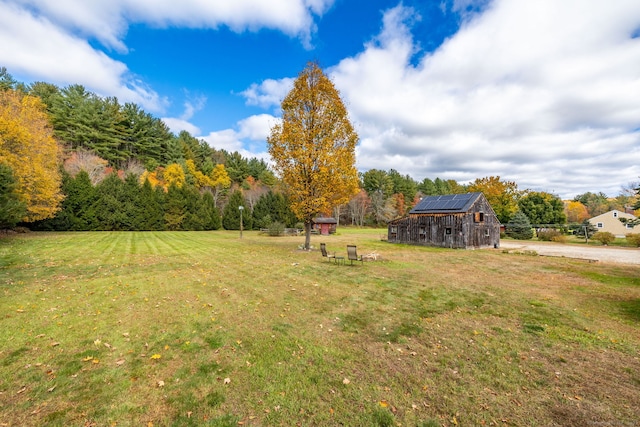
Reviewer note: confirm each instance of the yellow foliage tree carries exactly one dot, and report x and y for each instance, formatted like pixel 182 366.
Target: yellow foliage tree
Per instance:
pixel 220 181
pixel 313 149
pixel 576 212
pixel 501 195
pixel 174 174
pixel 27 146
pixel 200 180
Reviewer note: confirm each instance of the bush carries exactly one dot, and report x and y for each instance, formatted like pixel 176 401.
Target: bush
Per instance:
pixel 548 234
pixel 633 239
pixel 560 238
pixel 604 237
pixel 276 229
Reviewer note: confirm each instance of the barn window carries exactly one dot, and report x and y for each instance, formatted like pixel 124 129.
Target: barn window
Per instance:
pixel 394 229
pixel 486 232
pixel 478 217
pixel 423 230
pixel 447 230
pixel 600 225
pixel 615 214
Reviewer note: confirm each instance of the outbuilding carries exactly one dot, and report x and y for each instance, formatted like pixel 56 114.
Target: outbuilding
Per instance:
pixel 463 221
pixel 325 226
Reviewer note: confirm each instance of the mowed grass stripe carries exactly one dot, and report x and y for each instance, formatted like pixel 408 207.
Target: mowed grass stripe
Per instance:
pixel 139 328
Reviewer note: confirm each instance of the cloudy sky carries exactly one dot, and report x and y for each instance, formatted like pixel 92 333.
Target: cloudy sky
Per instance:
pixel 545 93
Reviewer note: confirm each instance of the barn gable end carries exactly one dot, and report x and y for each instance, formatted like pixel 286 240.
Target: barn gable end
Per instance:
pixel 451 221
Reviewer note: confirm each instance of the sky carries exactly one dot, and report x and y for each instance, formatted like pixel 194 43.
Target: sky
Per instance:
pixel 544 93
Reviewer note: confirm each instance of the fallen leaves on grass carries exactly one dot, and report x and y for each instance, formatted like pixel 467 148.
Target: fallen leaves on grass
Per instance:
pixel 156 356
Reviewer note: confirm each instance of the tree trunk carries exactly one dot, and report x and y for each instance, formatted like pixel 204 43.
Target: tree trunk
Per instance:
pixel 307 235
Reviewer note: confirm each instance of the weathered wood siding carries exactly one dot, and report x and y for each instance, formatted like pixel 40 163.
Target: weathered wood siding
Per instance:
pixel 459 230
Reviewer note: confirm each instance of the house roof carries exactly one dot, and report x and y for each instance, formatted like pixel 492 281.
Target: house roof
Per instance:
pixel 451 203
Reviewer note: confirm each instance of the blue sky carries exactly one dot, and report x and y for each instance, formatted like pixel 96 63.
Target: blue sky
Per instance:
pixel 543 93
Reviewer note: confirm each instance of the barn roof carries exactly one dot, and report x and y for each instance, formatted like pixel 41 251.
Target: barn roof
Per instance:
pixel 451 203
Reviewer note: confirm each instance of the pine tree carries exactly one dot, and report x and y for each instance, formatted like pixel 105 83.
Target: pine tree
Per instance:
pixel 231 214
pixel 210 213
pixel 152 212
pixel 519 227
pixel 175 208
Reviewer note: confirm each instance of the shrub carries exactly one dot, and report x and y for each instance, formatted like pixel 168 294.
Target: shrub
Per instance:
pixel 548 234
pixel 276 229
pixel 633 239
pixel 604 237
pixel 560 238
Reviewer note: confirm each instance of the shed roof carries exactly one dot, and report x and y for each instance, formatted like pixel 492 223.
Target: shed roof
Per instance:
pixel 451 203
pixel 324 220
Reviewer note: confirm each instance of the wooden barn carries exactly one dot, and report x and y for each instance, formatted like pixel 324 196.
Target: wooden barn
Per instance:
pixel 453 221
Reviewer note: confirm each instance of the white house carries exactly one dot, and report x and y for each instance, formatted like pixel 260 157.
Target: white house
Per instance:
pixel 610 221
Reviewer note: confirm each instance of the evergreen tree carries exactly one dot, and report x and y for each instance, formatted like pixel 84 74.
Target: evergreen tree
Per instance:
pixel 586 229
pixel 519 227
pixel 272 207
pixel 151 216
pixel 12 209
pixel 195 218
pixel 108 205
pixel 231 214
pixel 131 206
pixel 175 208
pixel 210 213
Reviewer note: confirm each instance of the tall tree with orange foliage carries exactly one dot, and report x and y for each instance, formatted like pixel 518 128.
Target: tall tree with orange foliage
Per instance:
pixel 27 146
pixel 313 149
pixel 576 212
pixel 501 195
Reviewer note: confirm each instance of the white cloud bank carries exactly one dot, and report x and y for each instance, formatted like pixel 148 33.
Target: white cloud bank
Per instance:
pixel 544 93
pixel 47 39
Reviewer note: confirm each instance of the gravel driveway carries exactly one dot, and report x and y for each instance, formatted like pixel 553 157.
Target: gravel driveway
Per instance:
pixel 597 253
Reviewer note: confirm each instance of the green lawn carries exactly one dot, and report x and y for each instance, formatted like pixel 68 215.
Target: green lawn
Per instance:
pixel 205 328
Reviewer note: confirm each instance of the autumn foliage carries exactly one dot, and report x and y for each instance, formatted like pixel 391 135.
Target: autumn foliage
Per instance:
pixel 27 146
pixel 313 147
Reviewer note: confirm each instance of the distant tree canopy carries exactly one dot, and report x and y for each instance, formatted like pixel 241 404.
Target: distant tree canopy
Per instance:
pixel 98 139
pixel 542 208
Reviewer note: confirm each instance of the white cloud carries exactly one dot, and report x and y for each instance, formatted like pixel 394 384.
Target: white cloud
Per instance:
pixel 47 39
pixel 251 132
pixel 35 47
pixel 544 93
pixel 178 125
pixel 269 93
pixel 108 20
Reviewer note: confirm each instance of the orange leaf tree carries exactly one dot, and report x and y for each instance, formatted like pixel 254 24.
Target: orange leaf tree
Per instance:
pixel 501 195
pixel 313 148
pixel 27 146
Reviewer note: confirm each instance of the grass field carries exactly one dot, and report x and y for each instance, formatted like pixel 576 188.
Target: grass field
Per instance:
pixel 204 328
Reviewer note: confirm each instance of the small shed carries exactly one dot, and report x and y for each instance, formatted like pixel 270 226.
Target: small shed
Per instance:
pixel 452 221
pixel 325 226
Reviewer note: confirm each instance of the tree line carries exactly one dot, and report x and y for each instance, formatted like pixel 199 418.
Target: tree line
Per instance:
pixel 72 160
